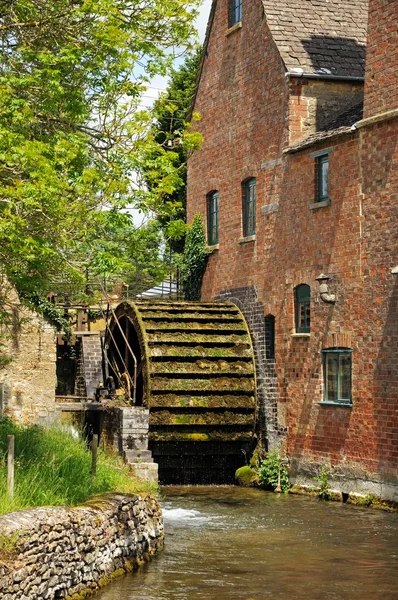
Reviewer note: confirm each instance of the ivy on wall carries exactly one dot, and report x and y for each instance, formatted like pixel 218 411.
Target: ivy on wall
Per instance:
pixel 50 312
pixel 194 259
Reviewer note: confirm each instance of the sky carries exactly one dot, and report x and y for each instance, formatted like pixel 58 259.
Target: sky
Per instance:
pixel 201 22
pixel 159 84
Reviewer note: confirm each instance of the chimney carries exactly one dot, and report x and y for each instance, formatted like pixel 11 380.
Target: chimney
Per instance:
pixel 381 75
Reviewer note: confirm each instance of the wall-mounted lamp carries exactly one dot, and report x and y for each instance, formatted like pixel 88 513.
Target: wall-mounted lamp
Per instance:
pixel 324 289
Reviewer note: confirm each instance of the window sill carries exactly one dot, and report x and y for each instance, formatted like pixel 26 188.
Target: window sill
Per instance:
pixel 322 204
pixel 235 27
pixel 330 403
pixel 213 248
pixel 245 240
pixel 300 335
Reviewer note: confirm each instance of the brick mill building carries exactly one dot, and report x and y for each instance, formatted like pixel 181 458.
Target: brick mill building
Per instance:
pixel 297 182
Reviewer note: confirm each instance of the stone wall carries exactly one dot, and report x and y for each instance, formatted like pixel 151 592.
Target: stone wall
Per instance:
pixel 125 430
pixel 92 361
pixel 71 552
pixel 267 428
pixel 28 381
pixel 313 104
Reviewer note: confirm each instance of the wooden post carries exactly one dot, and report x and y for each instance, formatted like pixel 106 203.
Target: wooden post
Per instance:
pixel 94 448
pixel 10 466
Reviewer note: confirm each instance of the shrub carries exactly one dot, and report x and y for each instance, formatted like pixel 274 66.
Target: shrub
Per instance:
pixel 194 259
pixel 323 483
pixel 268 472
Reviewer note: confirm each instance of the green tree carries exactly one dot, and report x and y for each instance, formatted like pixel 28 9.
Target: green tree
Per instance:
pixel 74 143
pixel 170 131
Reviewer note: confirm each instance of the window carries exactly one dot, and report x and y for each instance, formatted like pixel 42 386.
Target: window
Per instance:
pixel 322 178
pixel 235 12
pixel 269 331
pixel 249 207
pixel 337 375
pixel 302 308
pixel 212 218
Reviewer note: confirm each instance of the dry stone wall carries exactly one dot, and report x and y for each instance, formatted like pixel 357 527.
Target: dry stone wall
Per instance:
pixel 71 552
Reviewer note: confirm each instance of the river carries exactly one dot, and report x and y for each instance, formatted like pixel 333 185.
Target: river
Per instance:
pixel 231 543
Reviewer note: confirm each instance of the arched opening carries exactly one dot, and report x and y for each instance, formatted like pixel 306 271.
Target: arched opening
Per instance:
pixel 125 360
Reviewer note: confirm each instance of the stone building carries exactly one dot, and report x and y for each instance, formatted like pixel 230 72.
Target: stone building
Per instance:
pixel 27 362
pixel 297 181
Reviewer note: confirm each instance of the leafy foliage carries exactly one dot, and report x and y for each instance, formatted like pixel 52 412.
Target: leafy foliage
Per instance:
pixel 323 482
pixel 268 472
pixel 194 259
pixel 53 468
pixel 172 132
pixel 53 314
pixel 74 141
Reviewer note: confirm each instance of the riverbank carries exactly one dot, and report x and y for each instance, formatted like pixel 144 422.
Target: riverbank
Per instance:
pixel 53 468
pixel 368 500
pixel 72 552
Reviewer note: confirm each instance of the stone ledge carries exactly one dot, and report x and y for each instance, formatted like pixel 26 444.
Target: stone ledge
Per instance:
pixel 247 239
pixel 337 404
pixel 234 28
pixel 323 204
pixel 300 335
pixel 379 118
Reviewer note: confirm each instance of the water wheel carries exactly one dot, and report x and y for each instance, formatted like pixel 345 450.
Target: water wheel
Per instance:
pixel 195 372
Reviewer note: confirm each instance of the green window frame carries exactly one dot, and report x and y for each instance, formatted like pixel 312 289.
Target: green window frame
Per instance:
pixel 212 218
pixel 302 298
pixel 249 207
pixel 322 178
pixel 337 376
pixel 235 12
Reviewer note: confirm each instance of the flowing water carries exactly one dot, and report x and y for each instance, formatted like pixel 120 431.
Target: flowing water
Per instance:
pixel 230 543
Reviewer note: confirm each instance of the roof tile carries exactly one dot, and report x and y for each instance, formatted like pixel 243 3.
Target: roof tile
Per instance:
pixel 327 33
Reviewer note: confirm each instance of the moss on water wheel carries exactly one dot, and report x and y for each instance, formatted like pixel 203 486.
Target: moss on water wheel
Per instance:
pixel 197 373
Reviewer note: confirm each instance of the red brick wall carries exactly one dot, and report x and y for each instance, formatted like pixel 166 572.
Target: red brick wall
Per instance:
pixel 243 100
pixel 356 241
pixel 381 81
pixel 379 164
pixel 305 243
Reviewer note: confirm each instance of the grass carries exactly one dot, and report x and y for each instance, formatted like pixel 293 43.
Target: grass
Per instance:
pixel 53 469
pixel 8 546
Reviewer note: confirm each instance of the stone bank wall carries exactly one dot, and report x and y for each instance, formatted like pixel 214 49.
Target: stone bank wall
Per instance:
pixel 71 552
